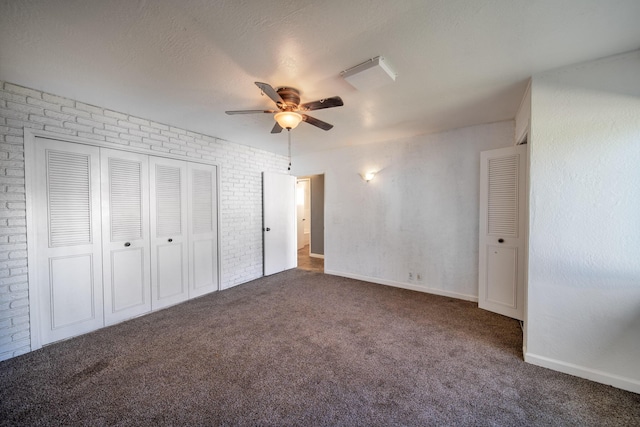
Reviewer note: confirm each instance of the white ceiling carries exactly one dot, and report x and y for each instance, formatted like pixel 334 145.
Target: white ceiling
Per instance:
pixel 183 63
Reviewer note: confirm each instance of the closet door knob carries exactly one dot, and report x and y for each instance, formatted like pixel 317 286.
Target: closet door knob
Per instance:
pixel 500 240
pixel 170 240
pixel 126 245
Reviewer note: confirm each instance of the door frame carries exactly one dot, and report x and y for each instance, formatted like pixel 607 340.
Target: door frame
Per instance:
pixel 324 191
pixel 324 179
pixel 308 180
pixel 525 139
pixel 31 137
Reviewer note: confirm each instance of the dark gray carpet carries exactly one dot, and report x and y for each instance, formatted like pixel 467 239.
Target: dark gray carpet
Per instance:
pixel 301 348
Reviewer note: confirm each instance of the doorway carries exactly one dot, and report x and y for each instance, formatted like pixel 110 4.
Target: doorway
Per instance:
pixel 310 222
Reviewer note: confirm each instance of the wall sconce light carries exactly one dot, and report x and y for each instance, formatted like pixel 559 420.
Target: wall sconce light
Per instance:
pixel 368 176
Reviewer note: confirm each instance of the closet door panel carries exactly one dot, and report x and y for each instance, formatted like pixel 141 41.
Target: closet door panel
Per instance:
pixel 130 283
pixel 66 216
pixel 203 229
pixel 72 285
pixel 170 281
pixel 126 242
pixel 203 265
pixel 169 263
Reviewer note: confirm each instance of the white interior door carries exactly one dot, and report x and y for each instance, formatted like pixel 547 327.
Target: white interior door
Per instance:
pixel 502 232
pixel 169 246
pixel 279 222
pixel 64 188
pixel 300 217
pixel 125 235
pixel 203 229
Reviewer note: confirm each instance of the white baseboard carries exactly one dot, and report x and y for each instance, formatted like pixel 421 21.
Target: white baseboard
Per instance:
pixel 410 286
pixel 312 255
pixel 583 372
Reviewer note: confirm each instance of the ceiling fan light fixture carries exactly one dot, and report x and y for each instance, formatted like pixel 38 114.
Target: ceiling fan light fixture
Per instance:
pixel 288 119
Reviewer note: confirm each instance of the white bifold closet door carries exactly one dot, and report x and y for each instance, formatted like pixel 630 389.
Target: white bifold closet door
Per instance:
pixel 203 229
pixel 67 220
pixel 169 233
pixel 125 235
pixel 116 234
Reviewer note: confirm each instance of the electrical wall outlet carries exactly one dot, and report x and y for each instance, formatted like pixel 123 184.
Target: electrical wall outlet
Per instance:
pixel 410 276
pixel 419 277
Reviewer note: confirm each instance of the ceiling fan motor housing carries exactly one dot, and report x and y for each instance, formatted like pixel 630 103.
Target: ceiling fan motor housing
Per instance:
pixel 290 96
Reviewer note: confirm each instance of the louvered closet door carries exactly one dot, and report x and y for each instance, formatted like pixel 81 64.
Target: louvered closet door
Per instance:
pixel 66 217
pixel 169 249
pixel 203 229
pixel 125 235
pixel 502 233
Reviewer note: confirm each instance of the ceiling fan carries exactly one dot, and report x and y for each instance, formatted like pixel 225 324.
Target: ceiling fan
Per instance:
pixel 290 112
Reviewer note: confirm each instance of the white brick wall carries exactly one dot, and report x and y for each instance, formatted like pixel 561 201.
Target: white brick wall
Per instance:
pixel 240 189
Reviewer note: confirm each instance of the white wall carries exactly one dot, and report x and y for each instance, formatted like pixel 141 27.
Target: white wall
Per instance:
pixel 419 214
pixel 240 189
pixel 584 247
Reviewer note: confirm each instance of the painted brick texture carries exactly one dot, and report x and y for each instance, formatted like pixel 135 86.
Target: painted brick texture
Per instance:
pixel 240 189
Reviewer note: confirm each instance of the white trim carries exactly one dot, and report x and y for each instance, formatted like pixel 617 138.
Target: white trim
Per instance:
pixel 304 233
pixel 29 181
pixel 525 218
pixel 584 372
pixel 312 255
pixel 527 90
pixel 219 224
pixel 524 137
pixel 519 139
pixel 409 286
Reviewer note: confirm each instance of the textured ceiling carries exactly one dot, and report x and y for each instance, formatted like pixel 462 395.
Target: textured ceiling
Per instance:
pixel 185 62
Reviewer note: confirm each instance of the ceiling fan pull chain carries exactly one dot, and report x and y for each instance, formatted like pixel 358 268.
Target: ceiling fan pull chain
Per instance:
pixel 289 135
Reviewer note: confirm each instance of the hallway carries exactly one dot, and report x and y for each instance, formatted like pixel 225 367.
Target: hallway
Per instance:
pixel 306 262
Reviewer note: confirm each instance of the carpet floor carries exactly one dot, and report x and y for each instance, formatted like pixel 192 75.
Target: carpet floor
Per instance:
pixel 302 348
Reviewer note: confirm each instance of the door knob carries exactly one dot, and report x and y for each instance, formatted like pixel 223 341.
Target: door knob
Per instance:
pixel 500 240
pixel 170 240
pixel 126 245
pixel 267 229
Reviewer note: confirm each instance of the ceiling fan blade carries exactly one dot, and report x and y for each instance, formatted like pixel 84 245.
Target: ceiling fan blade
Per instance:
pixel 271 93
pixel 276 128
pixel 334 101
pixel 249 112
pixel 318 123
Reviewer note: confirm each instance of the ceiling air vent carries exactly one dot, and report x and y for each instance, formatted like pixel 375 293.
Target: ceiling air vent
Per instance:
pixel 371 74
